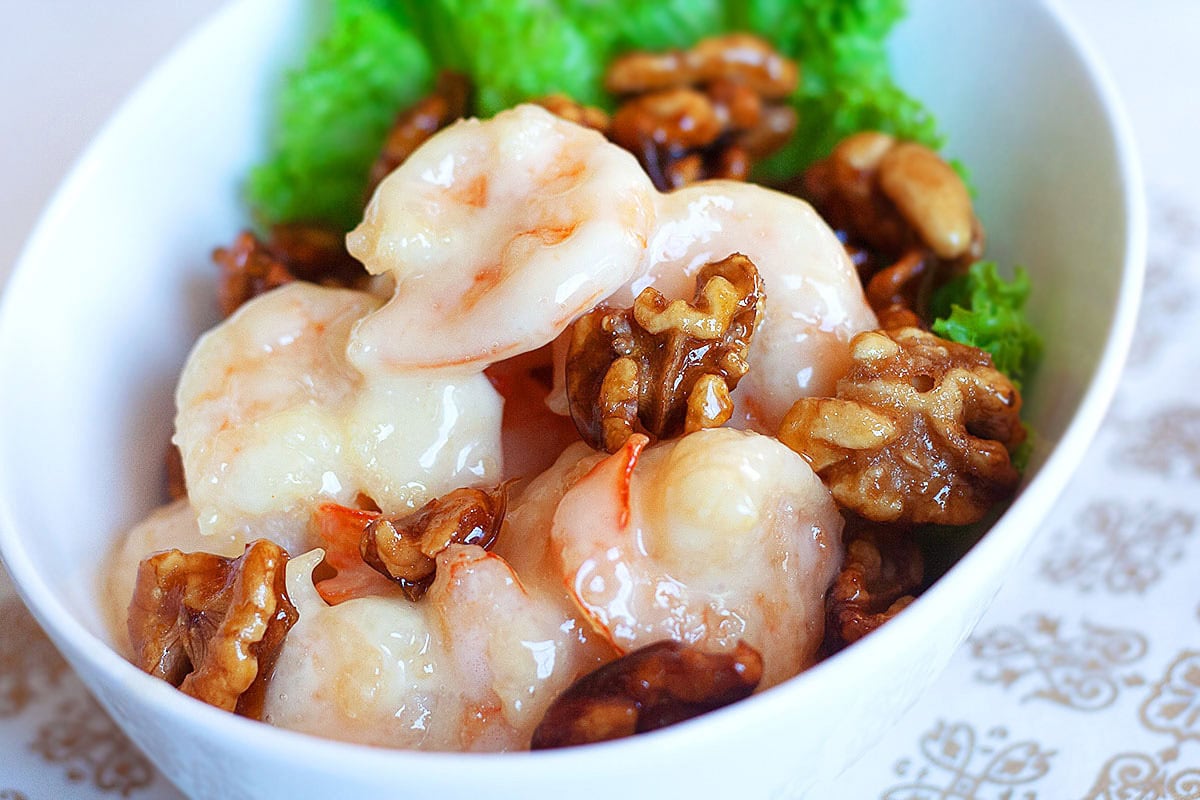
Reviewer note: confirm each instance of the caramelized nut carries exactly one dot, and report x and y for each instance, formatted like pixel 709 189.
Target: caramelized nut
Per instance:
pixel 405 549
pixel 900 209
pixel 703 113
pixel 573 111
pixel 251 267
pixel 921 430
pixel 931 196
pixel 881 571
pixel 213 626
pixel 680 119
pixel 647 689
pixel 741 56
pixel 746 58
pixel 653 368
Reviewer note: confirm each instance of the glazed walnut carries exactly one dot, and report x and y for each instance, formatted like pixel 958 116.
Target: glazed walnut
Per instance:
pixel 921 430
pixel 647 689
pixel 250 266
pixel 901 210
pixel 404 549
pixel 664 367
pixel 449 101
pixel 213 626
pixel 708 112
pixel 573 111
pixel 881 571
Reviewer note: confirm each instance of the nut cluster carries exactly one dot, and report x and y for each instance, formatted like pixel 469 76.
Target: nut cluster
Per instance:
pixel 649 688
pixel 707 112
pixel 664 367
pixel 881 571
pixel 921 430
pixel 404 549
pixel 250 266
pixel 905 215
pixel 213 626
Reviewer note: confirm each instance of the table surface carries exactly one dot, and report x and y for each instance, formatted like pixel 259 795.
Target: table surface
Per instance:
pixel 1083 679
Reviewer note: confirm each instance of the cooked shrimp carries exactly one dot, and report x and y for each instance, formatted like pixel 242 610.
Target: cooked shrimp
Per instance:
pixel 273 420
pixel 719 536
pixel 472 666
pixel 815 300
pixel 499 234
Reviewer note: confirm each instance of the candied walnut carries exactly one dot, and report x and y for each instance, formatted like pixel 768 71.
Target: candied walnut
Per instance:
pixel 894 196
pixel 703 113
pixel 739 56
pixel 449 101
pixel 573 111
pixel 896 291
pixel 680 118
pixel 404 549
pixel 664 367
pixel 921 430
pixel 897 205
pixel 213 626
pixel 176 480
pixel 251 267
pixel 880 573
pixel 649 688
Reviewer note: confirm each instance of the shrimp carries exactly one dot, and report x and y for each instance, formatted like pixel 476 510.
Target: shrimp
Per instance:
pixel 720 536
pixel 273 420
pixel 499 234
pixel 473 666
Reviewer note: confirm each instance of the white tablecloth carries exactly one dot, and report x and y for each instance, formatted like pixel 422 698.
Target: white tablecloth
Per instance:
pixel 1081 682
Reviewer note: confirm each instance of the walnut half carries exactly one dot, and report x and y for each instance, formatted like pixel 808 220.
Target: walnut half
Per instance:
pixel 664 367
pixel 405 549
pixel 882 570
pixel 652 687
pixel 213 626
pixel 921 430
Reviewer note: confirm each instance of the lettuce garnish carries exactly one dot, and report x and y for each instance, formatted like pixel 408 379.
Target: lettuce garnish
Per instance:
pixel 333 114
pixel 983 310
pixel 379 56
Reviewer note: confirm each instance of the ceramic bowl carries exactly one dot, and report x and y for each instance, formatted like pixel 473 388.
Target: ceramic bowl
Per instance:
pixel 115 285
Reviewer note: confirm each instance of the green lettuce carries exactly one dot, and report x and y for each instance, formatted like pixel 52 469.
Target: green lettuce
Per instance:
pixel 983 310
pixel 333 114
pixel 378 56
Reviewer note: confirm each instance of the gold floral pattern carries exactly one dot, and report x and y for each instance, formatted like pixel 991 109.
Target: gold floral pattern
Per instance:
pixel 29 664
pixel 961 765
pixel 12 794
pixel 1119 547
pixel 82 738
pixel 1166 293
pixel 1166 443
pixel 1080 672
pixel 1138 776
pixel 1173 706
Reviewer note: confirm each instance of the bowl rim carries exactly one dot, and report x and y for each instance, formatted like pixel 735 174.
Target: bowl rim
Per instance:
pixel 83 646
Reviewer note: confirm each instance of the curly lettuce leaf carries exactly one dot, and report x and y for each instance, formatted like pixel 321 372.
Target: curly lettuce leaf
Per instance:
pixel 379 56
pixel 333 114
pixel 845 84
pixel 983 310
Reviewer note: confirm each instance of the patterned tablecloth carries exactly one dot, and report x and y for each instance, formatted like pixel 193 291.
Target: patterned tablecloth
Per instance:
pixel 1083 680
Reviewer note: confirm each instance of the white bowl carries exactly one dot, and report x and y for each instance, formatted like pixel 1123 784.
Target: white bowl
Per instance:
pixel 115 285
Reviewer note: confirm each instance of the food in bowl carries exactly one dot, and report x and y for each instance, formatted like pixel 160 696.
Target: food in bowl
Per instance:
pixel 695 534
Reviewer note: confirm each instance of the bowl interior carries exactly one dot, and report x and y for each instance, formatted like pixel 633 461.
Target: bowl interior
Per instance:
pixel 119 264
